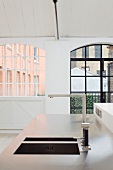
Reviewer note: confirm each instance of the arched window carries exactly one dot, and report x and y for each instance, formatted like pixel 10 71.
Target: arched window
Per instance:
pixel 91 73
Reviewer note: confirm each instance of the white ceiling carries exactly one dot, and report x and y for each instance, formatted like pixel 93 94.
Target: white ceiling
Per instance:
pixel 36 18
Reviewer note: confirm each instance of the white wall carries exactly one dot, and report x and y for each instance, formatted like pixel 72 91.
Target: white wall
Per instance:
pixel 57 76
pixel 79 42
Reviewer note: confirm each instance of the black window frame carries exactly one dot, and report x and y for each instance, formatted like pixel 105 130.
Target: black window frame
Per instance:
pixel 100 58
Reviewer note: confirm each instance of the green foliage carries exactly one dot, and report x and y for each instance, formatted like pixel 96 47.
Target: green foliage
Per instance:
pixel 76 103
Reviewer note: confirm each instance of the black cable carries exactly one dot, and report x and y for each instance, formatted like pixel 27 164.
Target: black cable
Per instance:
pixel 55 1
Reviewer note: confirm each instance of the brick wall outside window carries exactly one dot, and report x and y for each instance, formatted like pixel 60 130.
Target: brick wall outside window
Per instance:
pixel 18 68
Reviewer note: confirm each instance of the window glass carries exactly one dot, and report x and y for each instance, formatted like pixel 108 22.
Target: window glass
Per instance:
pixel 87 52
pixel 97 51
pixel 83 52
pixel 73 54
pixel 18 70
pixel 77 68
pixel 77 84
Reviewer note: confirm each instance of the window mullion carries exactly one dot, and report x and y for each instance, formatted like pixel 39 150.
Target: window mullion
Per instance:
pixel 25 68
pixel 36 77
pixel 15 70
pixel 5 66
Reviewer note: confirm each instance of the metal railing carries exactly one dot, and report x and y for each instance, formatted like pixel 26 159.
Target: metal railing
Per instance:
pixel 76 103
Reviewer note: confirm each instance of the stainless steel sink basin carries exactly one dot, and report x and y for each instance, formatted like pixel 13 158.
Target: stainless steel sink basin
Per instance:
pixel 48 148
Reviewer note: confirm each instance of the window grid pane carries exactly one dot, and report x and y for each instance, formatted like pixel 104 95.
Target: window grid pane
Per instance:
pixel 18 68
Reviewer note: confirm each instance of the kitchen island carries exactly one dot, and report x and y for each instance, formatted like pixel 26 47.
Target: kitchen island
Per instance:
pixel 52 126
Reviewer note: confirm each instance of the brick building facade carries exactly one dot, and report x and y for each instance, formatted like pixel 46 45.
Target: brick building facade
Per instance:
pixel 22 70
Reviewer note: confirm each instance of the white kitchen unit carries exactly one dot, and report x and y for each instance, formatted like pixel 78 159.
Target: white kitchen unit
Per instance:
pixel 104 113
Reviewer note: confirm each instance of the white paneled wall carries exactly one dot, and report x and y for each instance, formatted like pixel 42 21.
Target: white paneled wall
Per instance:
pixel 16 112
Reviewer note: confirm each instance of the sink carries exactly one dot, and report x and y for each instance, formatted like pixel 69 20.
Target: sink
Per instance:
pixel 48 148
pixel 50 139
pixel 49 145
